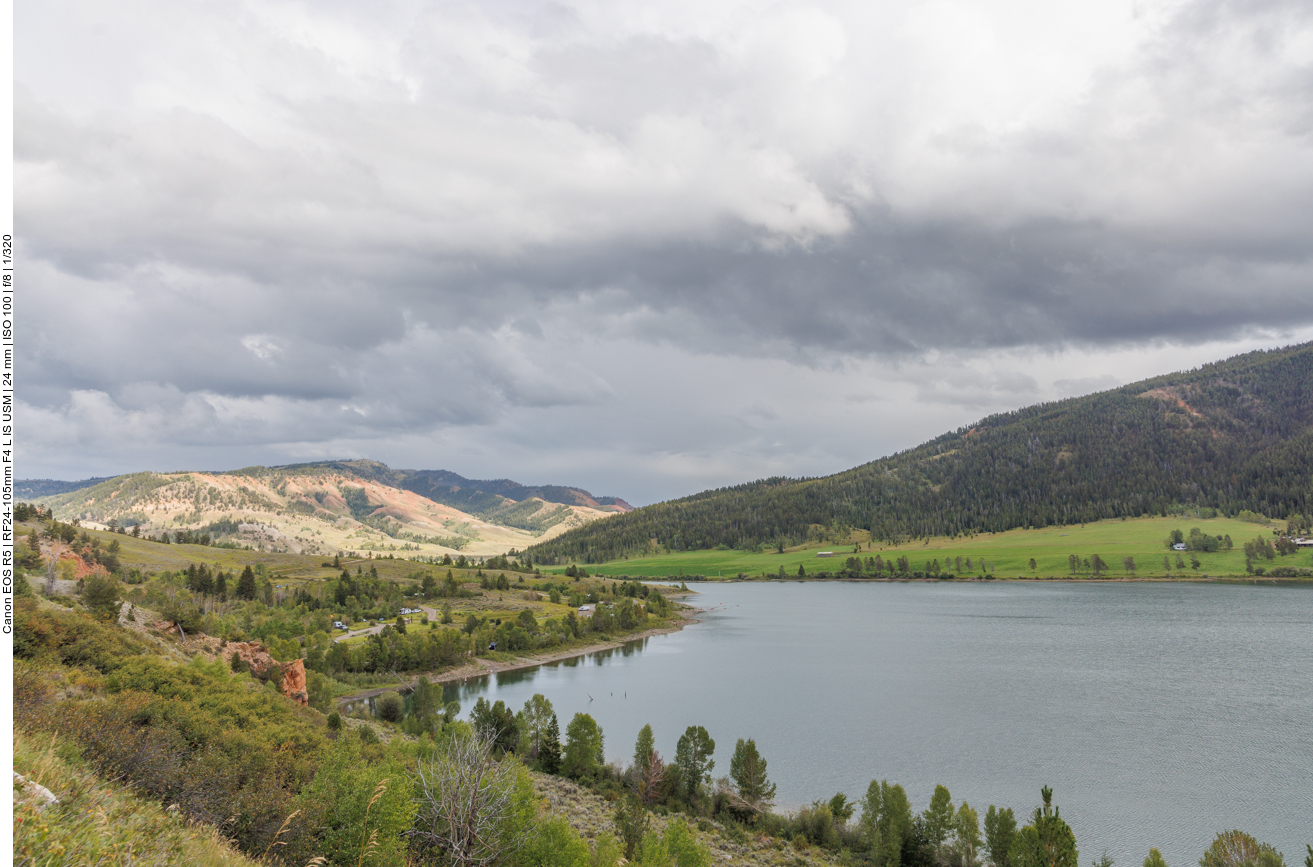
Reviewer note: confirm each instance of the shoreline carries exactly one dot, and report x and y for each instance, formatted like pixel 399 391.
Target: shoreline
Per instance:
pixel 1070 579
pixel 484 667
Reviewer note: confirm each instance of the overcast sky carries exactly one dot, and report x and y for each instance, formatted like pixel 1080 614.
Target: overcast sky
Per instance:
pixel 644 248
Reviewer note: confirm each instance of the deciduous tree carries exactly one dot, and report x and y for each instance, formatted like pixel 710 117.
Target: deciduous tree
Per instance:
pixel 966 837
pixel 938 818
pixel 1238 849
pixel 1155 859
pixel 533 722
pixel 583 756
pixel 1000 828
pixel 886 822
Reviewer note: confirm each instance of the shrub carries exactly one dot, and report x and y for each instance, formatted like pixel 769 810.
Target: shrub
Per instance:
pixel 71 638
pixel 678 845
pixel 100 593
pixel 390 707
pixel 349 802
pixel 99 823
pixel 194 736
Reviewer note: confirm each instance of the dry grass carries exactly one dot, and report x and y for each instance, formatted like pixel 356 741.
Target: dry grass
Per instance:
pixel 101 823
pixel 592 816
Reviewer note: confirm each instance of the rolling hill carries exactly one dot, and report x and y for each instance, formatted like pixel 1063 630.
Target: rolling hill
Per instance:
pixel 330 506
pixel 1232 436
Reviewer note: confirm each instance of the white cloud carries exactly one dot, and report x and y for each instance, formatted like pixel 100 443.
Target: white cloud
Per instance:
pixel 677 243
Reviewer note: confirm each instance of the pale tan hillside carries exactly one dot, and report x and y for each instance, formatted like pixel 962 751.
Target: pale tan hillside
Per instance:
pixel 311 510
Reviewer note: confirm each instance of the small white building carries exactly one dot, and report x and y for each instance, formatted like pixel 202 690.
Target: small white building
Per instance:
pixel 1179 546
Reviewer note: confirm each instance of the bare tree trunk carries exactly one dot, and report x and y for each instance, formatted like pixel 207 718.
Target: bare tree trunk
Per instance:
pixel 467 806
pixel 52 565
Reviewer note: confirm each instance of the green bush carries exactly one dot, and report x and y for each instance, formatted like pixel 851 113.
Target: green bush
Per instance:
pixel 349 802
pixel 224 752
pixel 71 638
pixel 390 706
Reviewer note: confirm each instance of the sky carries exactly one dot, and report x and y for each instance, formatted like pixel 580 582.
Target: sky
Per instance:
pixel 644 248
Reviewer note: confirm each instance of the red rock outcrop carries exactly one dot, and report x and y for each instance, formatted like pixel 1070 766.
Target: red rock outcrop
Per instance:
pixel 254 654
pixel 294 682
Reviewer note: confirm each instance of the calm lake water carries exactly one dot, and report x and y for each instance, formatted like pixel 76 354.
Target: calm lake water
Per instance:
pixel 1159 713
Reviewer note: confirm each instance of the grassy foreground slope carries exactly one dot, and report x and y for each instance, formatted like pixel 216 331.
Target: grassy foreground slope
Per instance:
pixel 1231 436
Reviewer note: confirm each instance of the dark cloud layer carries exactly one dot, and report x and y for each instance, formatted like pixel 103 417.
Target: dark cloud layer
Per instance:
pixel 442 234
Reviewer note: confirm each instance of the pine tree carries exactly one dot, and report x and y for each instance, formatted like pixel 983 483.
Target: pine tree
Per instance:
pixel 246 584
pixel 1047 842
pixel 549 751
pixel 747 769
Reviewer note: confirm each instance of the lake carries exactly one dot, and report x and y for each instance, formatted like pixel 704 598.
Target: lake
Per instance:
pixel 1160 713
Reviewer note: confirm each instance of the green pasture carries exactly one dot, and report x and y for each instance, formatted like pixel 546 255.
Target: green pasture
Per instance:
pixel 1008 553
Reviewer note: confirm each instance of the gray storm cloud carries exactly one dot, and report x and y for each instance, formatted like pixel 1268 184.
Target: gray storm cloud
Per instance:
pixel 293 229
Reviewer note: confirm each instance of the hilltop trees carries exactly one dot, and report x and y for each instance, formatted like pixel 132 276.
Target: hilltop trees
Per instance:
pixel 649 769
pixel 937 820
pixel 549 755
pixel 1127 452
pixel 966 831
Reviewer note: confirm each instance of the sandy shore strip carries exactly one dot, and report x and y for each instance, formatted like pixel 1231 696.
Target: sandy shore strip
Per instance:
pixel 482 667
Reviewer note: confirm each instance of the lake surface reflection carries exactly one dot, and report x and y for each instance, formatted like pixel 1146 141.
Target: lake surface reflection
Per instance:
pixel 1160 713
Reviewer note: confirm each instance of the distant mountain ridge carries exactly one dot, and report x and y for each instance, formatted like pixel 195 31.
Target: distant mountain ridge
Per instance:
pixel 31 489
pixel 1233 435
pixel 329 506
pixel 484 497
pixel 481 497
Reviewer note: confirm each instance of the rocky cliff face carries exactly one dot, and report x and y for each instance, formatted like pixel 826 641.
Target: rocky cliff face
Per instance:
pixel 254 654
pixel 294 682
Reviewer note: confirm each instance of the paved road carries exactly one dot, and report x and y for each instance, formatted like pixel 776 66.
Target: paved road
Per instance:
pixel 374 630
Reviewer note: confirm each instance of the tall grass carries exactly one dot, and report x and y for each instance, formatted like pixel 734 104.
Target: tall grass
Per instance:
pixel 101 823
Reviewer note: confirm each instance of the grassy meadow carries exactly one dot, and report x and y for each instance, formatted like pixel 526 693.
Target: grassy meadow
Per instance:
pixel 1007 554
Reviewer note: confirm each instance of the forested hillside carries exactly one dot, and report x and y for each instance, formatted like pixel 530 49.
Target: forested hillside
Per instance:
pixel 33 489
pixel 1234 435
